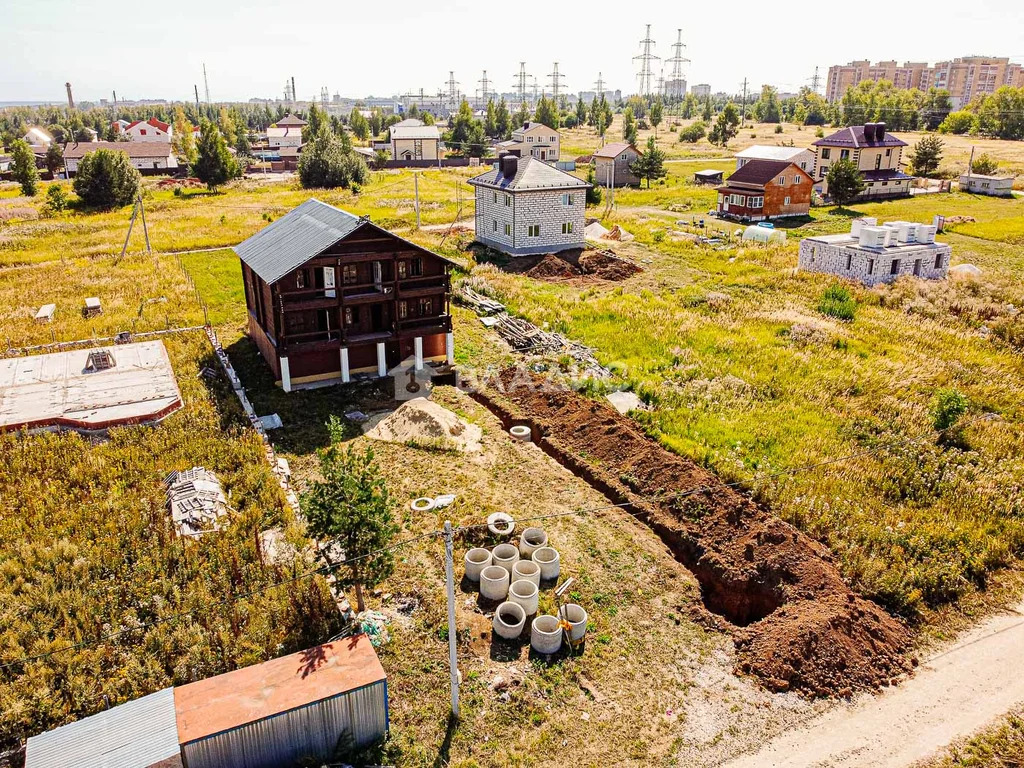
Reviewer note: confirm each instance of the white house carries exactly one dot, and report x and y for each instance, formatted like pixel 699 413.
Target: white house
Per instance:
pixel 998 186
pixel 801 158
pixel 877 254
pixel 144 155
pixel 286 132
pixel 149 130
pixel 525 206
pixel 37 138
pixel 411 139
pixel 532 140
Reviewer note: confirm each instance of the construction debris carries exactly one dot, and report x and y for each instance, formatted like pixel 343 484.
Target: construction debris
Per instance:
pixel 196 501
pixel 481 304
pixel 422 422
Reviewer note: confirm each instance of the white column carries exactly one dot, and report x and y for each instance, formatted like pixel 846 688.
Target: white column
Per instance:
pixel 286 375
pixel 449 348
pixel 382 364
pixel 345 377
pixel 417 345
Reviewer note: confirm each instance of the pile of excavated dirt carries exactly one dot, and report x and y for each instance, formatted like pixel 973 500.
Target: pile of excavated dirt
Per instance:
pixel 796 624
pixel 552 267
pixel 424 422
pixel 607 267
pixel 594 264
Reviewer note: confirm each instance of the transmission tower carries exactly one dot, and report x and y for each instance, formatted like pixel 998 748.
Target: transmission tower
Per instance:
pixel 677 81
pixel 288 91
pixel 661 82
pixel 453 91
pixel 600 86
pixel 815 81
pixel 206 84
pixel 536 89
pixel 556 84
pixel 324 97
pixel 484 85
pixel 520 82
pixel 646 59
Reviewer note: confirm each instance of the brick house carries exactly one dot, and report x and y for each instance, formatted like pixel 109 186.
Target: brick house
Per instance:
pixel 286 132
pixel 532 140
pixel 331 295
pixel 876 154
pixel 877 254
pixel 766 189
pixel 149 130
pixel 611 165
pixel 525 206
pixel 144 155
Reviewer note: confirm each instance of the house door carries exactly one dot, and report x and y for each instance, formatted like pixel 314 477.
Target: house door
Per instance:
pixel 329 282
pixel 543 155
pixel 377 317
pixel 917 268
pixel 378 276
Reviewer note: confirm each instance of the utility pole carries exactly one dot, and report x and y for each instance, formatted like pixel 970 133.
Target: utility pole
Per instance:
pixel 556 84
pixel 294 97
pixel 449 575
pixel 646 58
pixel 416 184
pixel 71 100
pixel 206 84
pixel 743 117
pixel 198 108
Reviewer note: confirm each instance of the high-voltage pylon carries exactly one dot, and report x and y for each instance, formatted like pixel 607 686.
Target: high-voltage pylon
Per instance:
pixel 556 84
pixel 816 82
pixel 646 72
pixel 599 85
pixel 484 88
pixel 677 80
pixel 453 91
pixel 520 82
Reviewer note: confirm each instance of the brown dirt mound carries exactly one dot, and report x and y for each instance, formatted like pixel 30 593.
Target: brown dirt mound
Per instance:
pixel 589 264
pixel 552 267
pixel 796 623
pixel 607 267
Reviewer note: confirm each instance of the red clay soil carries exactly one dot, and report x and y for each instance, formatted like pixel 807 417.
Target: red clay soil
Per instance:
pixel 607 267
pixel 552 267
pixel 796 624
pixel 589 264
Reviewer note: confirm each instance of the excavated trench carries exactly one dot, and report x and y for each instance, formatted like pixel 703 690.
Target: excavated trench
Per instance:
pixel 795 622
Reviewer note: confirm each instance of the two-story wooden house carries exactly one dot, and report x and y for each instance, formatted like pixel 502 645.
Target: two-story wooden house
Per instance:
pixel 876 153
pixel 766 189
pixel 331 295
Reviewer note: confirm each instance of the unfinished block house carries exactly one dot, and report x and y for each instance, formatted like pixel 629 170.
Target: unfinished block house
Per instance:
pixel 331 295
pixel 877 254
pixel 525 206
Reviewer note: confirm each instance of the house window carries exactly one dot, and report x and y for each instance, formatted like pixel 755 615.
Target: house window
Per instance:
pixel 786 202
pixel 566 199
pixel 426 307
pixel 756 202
pixel 895 268
pixel 533 230
pixel 738 200
pixel 871 266
pixel 781 181
pixel 888 153
pixel 554 139
pixel 300 279
pixel 567 228
pixel 351 315
pixel 938 261
pixel 508 200
pixel 142 131
pixel 495 225
pixel 349 274
pixel 508 230
pixel 403 310
pixel 495 198
pixel 529 139
pixel 849 262
pixel 917 267
pixel 844 154
pixel 826 153
pixel 416 267
pixel 885 183
pixel 797 179
pixel 822 171
pixel 401 270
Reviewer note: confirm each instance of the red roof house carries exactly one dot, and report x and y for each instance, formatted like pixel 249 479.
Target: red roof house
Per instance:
pixel 766 189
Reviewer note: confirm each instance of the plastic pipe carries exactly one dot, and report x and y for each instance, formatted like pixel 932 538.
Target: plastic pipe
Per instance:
pixel 532 540
pixel 548 560
pixel 476 560
pixel 505 555
pixel 546 634
pixel 525 593
pixel 521 433
pixel 494 582
pixel 577 618
pixel 526 570
pixel 509 620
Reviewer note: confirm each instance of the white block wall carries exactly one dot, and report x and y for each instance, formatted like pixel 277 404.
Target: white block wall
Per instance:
pixel 832 259
pixel 543 207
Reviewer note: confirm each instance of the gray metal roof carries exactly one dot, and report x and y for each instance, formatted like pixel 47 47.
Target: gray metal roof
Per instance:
pixel 136 734
pixel 531 173
pixel 415 132
pixel 295 238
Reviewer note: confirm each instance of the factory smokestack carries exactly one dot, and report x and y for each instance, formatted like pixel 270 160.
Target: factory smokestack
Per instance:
pixel 294 98
pixel 71 101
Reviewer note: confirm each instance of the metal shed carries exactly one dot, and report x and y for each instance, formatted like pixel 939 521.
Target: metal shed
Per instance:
pixel 272 714
pixel 138 734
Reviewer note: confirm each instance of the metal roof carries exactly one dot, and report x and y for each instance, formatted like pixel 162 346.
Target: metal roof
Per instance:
pixel 295 238
pixel 615 149
pixel 763 152
pixel 158 149
pixel 255 693
pixel 136 734
pixel 531 174
pixel 415 132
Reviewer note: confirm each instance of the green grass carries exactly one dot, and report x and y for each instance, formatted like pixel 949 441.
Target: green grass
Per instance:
pixel 1000 746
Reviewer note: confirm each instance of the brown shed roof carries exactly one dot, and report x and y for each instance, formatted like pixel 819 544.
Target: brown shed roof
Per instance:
pixel 615 149
pixel 760 172
pixel 254 693
pixel 159 149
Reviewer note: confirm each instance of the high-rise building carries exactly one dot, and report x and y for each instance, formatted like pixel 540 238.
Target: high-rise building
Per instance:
pixel 964 78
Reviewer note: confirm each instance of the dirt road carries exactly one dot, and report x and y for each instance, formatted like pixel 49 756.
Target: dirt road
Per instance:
pixel 954 693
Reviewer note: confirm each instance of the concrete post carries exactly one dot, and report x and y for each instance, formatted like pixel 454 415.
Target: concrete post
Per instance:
pixel 417 345
pixel 345 377
pixel 449 348
pixel 286 375
pixel 382 363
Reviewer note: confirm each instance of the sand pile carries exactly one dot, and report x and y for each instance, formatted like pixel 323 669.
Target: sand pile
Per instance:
pixel 423 422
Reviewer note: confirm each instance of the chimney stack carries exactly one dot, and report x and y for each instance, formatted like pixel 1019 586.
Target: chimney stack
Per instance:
pixel 294 97
pixel 71 101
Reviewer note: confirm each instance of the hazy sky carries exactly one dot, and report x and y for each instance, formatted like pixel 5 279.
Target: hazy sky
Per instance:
pixel 156 50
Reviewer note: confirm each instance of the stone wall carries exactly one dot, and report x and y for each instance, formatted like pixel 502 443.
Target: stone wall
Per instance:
pixel 872 267
pixel 529 207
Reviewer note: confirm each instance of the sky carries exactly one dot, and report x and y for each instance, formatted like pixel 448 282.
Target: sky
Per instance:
pixel 157 50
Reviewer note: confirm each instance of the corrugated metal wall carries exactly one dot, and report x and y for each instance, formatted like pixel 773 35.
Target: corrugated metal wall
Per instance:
pixel 311 731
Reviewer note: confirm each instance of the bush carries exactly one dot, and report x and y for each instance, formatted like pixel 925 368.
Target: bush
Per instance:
pixel 837 302
pixel 778 129
pixel 947 408
pixel 107 179
pixel 693 133
pixel 984 165
pixel 56 200
pixel 324 163
pixel 958 122
pixel 820 133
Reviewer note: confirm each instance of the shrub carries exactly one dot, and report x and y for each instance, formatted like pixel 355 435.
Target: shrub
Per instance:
pixel 56 200
pixel 820 133
pixel 693 133
pixel 947 408
pixel 778 129
pixel 24 167
pixel 326 163
pixel 984 165
pixel 958 122
pixel 107 179
pixel 837 302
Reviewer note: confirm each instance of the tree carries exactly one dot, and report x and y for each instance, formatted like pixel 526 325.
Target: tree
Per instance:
pixel 844 181
pixel 926 155
pixel 984 165
pixel 327 163
pixel 56 200
pixel 316 122
pixel 226 124
pixel 593 191
pixel 650 164
pixel 657 111
pixel 767 108
pixel 467 133
pixel 947 408
pixel 502 120
pixel 581 112
pixel 959 122
pixel 629 129
pixel 359 125
pixel 351 506
pixel 707 114
pixel 937 105
pixel 522 116
pixel 547 113
pixel 491 120
pixel 376 122
pixel 214 164
pixel 24 167
pixel 54 157
pixel 380 160
pixel 693 132
pixel 183 142
pixel 726 125
pixel 107 179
